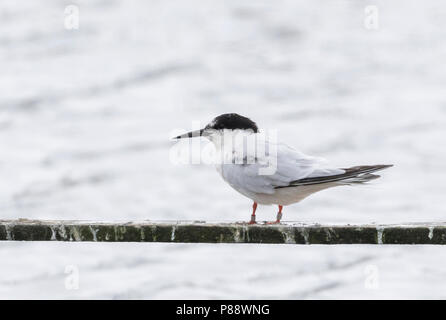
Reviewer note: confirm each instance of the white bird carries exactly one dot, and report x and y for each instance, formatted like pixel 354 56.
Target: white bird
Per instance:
pixel 268 172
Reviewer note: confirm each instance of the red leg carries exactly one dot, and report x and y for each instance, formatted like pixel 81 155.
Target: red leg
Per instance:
pixel 279 216
pixel 253 216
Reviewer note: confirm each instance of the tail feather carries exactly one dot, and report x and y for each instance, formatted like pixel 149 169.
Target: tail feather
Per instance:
pixel 362 178
pixel 358 174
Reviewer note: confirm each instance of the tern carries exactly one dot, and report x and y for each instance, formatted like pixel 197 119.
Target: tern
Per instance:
pixel 293 175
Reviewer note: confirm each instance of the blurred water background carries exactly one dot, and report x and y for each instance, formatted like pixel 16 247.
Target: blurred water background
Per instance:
pixel 86 116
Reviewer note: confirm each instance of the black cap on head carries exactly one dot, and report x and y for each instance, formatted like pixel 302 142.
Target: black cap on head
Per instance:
pixel 229 121
pixel 232 121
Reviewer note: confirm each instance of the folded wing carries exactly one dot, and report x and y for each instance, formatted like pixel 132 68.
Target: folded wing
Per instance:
pixel 357 174
pixel 290 166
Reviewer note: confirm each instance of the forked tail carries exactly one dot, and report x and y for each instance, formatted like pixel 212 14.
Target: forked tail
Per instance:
pixel 361 174
pixel 358 174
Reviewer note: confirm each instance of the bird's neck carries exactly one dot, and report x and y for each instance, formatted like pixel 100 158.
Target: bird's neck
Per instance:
pixel 232 145
pixel 225 139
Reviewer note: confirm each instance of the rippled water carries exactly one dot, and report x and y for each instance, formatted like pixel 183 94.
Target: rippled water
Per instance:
pixel 86 116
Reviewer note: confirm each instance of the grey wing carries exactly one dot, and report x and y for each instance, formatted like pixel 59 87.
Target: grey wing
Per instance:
pixel 355 174
pixel 290 165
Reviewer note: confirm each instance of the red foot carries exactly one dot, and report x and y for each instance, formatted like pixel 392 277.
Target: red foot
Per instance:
pixel 279 216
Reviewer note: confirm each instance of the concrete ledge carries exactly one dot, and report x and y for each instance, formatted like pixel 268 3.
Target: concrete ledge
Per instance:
pixel 202 232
